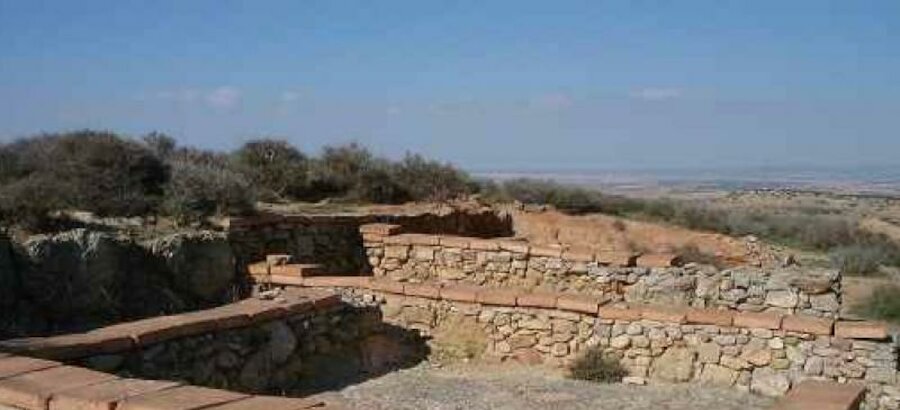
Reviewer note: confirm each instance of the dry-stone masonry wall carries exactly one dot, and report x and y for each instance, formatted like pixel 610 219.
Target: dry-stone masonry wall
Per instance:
pixel 765 353
pixel 302 341
pixel 632 278
pixel 334 241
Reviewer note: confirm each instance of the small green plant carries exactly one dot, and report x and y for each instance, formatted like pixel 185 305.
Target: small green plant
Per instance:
pixel 594 365
pixel 882 304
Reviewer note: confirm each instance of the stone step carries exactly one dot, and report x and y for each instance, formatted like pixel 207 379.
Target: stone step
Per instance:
pixel 822 395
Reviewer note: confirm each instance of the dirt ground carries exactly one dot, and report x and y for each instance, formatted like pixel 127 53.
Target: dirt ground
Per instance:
pixel 511 387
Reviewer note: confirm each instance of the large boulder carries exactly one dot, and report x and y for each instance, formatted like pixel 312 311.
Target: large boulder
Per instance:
pixel 676 365
pixel 201 264
pixel 75 274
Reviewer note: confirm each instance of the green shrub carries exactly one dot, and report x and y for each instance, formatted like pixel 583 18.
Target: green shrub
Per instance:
pixel 94 171
pixel 199 189
pixel 593 365
pixel 427 180
pixel 275 167
pixel 882 304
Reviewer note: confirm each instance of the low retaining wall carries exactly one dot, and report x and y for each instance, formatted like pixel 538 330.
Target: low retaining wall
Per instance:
pixel 623 276
pixel 334 241
pixel 763 352
pixel 304 341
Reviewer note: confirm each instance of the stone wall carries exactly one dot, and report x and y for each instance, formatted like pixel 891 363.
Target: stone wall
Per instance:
pixel 80 279
pixel 297 343
pixel 335 242
pixel 649 278
pixel 762 352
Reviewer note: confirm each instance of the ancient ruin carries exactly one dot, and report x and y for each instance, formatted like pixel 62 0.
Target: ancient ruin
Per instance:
pixel 328 300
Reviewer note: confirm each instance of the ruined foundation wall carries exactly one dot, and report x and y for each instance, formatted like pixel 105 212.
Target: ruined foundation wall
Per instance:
pixel 765 353
pixel 302 346
pixel 516 263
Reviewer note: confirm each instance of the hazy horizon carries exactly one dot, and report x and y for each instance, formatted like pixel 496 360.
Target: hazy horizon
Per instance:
pixel 485 85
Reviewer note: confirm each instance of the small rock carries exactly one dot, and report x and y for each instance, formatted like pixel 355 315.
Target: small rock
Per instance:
pixel 635 380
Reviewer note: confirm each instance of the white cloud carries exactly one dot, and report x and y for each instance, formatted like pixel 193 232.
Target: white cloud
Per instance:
pixel 656 94
pixel 223 97
pixel 553 101
pixel 289 96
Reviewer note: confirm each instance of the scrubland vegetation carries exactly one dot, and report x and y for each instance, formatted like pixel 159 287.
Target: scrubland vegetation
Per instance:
pixel 111 175
pixel 593 365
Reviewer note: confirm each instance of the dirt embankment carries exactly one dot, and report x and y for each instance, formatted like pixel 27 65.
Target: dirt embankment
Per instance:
pixel 608 233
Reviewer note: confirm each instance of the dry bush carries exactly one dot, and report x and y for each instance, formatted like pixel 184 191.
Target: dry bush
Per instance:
pixel 458 339
pixel 882 304
pixel 593 365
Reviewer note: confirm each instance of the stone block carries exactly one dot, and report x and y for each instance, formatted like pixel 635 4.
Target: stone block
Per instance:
pixel 614 313
pixel 768 382
pixel 107 395
pixel 663 314
pixel 380 229
pixel 861 330
pixel 579 303
pixel 483 244
pixel 544 300
pixel 16 365
pixel 763 320
pixel 34 390
pixel 710 317
pixel 423 290
pixel 498 297
pixel 822 395
pixel 716 375
pixel 807 324
pixel 460 293
pixel 66 347
pixel 387 286
pixel 338 282
pixel 459 242
pixel 180 398
pixel 676 365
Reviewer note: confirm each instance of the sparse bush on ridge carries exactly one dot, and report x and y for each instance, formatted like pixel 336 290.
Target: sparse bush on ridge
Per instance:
pixel 111 175
pixel 593 365
pixel 859 259
pixel 882 304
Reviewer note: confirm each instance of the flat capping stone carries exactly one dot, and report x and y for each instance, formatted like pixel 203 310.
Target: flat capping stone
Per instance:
pixel 544 300
pixel 383 229
pixel 658 260
pixel 807 324
pixel 33 390
pixel 11 366
pixel 666 314
pixel 822 395
pixel 460 242
pixel 460 293
pixel 580 303
pixel 106 395
pixel 497 297
pixel 423 290
pixel 413 239
pixel 861 330
pixel 125 336
pixel 716 317
pixel 181 398
pixel 761 320
pixel 629 314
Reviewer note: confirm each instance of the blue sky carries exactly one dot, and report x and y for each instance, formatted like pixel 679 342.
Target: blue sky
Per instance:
pixel 485 84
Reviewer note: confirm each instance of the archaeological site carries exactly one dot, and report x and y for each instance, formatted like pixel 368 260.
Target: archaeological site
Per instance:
pixel 278 311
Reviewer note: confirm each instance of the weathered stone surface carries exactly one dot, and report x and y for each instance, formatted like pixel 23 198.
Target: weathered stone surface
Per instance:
pixel 105 396
pixel 714 374
pixel 200 262
pixel 768 382
pixel 708 353
pixel 782 298
pixel 675 365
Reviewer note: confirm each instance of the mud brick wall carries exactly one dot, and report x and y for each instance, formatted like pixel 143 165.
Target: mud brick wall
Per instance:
pixel 649 278
pixel 765 353
pixel 299 345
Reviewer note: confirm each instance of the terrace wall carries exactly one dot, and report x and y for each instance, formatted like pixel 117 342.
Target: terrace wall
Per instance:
pixel 622 276
pixel 298 343
pixel 765 353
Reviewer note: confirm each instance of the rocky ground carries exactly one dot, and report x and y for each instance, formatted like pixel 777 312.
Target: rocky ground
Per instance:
pixel 496 387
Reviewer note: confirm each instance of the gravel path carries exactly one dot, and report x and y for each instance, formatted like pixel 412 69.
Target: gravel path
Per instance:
pixel 521 388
